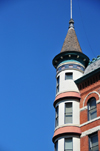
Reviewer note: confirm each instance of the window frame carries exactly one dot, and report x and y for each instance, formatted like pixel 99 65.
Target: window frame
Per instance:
pixel 91 143
pixel 56 146
pixel 56 116
pixel 91 110
pixel 68 113
pixel 65 143
pixel 57 84
pixel 68 75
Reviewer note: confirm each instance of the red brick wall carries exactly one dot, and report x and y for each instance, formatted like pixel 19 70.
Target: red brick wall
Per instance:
pixel 84 113
pixel 84 141
pixel 99 139
pixel 84 92
pixel 98 109
pixel 84 144
pixel 90 125
pixel 83 116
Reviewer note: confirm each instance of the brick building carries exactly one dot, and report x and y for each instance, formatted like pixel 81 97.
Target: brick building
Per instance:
pixel 77 101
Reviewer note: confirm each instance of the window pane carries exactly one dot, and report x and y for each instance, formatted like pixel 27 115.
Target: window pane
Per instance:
pixel 57 111
pixel 58 80
pixel 68 118
pixel 68 113
pixel 68 107
pixel 92 103
pixel 94 142
pixel 93 114
pixel 57 90
pixel 95 148
pixel 92 110
pixel 56 146
pixel 68 144
pixel 68 76
pixel 56 118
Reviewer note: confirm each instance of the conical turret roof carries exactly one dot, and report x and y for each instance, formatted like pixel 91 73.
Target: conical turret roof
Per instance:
pixel 71 42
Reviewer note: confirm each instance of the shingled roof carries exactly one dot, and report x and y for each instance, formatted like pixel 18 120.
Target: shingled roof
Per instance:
pixel 71 42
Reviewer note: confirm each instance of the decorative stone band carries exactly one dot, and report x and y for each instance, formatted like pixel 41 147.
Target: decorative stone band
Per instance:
pixel 70 66
pixel 62 131
pixel 90 131
pixel 66 95
pixel 88 122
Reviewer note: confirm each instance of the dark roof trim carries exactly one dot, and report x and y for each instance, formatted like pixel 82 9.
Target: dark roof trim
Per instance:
pixel 68 56
pixel 80 80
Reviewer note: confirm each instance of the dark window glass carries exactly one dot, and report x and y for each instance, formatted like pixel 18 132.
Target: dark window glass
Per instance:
pixel 68 113
pixel 57 85
pixel 68 76
pixel 68 144
pixel 92 110
pixel 56 146
pixel 57 113
pixel 93 142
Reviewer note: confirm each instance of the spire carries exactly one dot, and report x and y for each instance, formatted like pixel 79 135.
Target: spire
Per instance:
pixel 71 42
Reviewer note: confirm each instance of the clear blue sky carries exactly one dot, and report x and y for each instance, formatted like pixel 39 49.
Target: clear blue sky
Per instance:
pixel 32 32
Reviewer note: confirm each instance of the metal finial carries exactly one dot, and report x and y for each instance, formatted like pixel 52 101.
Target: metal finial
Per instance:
pixel 71 9
pixel 71 22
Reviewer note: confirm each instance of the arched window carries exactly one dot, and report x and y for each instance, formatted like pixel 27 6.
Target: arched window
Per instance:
pixel 92 110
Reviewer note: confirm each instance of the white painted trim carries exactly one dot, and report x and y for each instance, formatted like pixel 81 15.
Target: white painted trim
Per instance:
pixel 84 108
pixel 97 101
pixel 64 125
pixel 88 122
pixel 89 94
pixel 77 63
pixel 90 131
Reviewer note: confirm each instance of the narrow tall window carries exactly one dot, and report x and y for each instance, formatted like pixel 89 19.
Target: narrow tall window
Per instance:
pixel 93 142
pixel 68 144
pixel 92 110
pixel 57 85
pixel 68 76
pixel 68 113
pixel 56 146
pixel 57 115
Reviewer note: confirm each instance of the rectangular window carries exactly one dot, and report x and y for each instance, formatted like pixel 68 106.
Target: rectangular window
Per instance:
pixel 56 146
pixel 57 85
pixel 68 113
pixel 68 144
pixel 93 142
pixel 92 110
pixel 68 76
pixel 57 113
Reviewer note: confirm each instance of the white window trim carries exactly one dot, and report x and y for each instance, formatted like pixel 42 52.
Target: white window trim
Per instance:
pixel 90 131
pixel 88 122
pixel 84 108
pixel 89 94
pixel 98 101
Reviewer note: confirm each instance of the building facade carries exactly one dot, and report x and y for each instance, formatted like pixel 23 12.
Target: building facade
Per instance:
pixel 77 102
